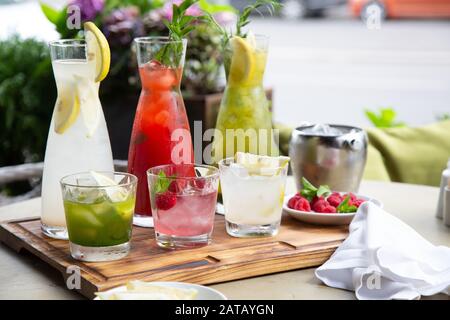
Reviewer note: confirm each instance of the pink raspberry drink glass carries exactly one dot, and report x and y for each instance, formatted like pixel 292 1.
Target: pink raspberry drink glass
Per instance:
pixel 183 201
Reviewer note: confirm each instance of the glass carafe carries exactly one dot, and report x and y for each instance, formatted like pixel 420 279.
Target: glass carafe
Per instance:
pixel 244 122
pixel 78 137
pixel 161 133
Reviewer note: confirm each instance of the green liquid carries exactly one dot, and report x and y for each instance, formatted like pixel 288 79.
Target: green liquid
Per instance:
pixel 245 110
pixel 100 224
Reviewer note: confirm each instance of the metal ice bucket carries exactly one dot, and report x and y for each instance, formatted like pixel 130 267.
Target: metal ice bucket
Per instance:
pixel 334 155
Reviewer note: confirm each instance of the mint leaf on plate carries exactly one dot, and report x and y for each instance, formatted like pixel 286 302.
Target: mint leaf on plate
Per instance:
pixel 323 191
pixel 344 206
pixel 308 191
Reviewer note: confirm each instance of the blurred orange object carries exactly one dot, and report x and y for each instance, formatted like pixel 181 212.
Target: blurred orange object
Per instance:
pixel 401 8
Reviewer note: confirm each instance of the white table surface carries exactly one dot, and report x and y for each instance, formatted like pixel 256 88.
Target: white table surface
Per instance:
pixel 22 276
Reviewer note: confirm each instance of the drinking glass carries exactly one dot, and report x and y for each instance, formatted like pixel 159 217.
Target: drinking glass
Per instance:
pixel 252 199
pixel 183 201
pixel 99 209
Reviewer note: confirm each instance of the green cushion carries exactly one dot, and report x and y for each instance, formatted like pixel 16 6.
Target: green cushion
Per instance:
pixel 375 167
pixel 414 155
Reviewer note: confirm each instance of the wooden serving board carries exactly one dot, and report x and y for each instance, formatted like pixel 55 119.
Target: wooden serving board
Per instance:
pixel 296 246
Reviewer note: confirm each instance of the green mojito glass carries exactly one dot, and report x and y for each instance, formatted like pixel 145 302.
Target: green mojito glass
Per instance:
pixel 99 208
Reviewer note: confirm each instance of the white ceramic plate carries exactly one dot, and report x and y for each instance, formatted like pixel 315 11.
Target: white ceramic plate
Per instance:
pixel 204 293
pixel 325 218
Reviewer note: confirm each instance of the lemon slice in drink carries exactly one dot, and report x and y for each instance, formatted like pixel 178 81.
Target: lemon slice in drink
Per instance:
pixel 262 165
pixel 242 61
pixel 67 110
pixel 112 189
pixel 97 50
pixel 86 91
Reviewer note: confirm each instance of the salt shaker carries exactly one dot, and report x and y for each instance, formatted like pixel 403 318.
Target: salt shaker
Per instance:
pixel 446 205
pixel 445 180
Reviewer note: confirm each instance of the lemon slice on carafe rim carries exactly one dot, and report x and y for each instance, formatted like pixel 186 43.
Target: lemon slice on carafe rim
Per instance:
pixel 97 50
pixel 99 56
pixel 242 61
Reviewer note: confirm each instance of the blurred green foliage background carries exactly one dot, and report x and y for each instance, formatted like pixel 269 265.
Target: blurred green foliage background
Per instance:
pixel 27 96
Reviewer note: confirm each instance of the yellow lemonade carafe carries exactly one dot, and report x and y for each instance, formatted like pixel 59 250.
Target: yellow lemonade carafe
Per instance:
pixel 244 122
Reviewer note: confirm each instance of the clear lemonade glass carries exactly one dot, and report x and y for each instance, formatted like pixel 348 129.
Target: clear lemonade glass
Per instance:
pixel 253 194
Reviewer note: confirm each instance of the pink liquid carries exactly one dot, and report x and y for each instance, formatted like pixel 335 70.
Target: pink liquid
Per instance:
pixel 192 215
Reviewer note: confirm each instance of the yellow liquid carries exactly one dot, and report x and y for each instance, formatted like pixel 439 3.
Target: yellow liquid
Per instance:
pixel 245 110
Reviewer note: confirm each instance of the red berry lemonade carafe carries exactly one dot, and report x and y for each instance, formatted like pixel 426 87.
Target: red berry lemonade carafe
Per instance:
pixel 161 132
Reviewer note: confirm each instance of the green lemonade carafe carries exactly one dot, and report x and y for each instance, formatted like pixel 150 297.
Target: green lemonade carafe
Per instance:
pixel 244 122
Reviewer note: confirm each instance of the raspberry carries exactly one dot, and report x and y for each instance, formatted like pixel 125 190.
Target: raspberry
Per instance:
pixel 302 205
pixel 358 202
pixel 199 183
pixel 165 201
pixel 316 200
pixel 352 196
pixel 174 187
pixel 335 199
pixel 322 206
pixel 292 203
pixel 319 204
pixel 297 202
pixel 329 209
pixel 354 200
pixel 293 200
pixel 177 186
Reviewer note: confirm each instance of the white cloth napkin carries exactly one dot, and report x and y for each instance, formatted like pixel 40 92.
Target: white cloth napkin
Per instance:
pixel 383 258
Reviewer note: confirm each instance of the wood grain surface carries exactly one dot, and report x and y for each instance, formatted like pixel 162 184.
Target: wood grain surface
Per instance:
pixel 296 246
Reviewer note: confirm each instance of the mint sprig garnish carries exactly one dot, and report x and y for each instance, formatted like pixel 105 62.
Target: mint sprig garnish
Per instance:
pixel 163 183
pixel 242 20
pixel 345 207
pixel 171 54
pixel 244 17
pixel 309 191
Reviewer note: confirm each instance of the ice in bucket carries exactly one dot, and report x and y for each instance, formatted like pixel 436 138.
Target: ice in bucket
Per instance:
pixel 323 129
